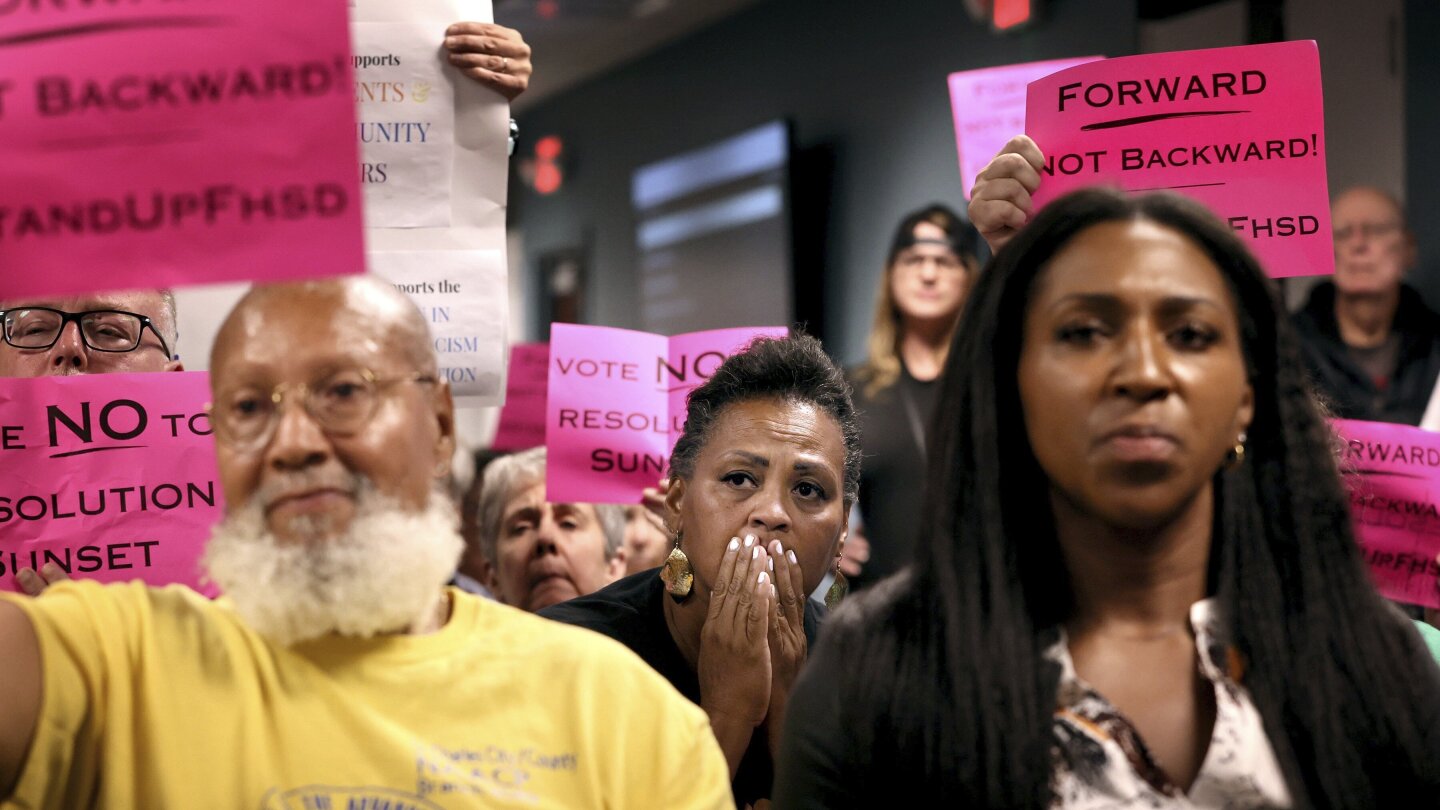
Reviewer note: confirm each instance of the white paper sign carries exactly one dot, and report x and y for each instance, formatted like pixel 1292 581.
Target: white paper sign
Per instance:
pixel 405 105
pixel 468 249
pixel 474 204
pixel 478 128
pixel 462 295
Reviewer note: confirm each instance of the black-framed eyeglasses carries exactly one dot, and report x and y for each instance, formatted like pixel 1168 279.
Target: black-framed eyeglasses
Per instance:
pixel 341 404
pixel 102 330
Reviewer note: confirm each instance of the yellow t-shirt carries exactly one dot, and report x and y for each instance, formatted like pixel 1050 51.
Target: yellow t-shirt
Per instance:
pixel 159 698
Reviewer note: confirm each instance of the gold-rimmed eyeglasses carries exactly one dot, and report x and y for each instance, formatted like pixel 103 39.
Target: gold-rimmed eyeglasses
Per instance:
pixel 340 403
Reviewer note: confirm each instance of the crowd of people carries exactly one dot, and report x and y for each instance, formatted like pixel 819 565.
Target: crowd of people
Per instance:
pixel 1107 558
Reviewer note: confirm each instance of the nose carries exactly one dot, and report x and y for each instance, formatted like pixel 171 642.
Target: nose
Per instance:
pixel 546 534
pixel 298 442
pixel 929 271
pixel 769 511
pixel 1357 243
pixel 1142 370
pixel 69 354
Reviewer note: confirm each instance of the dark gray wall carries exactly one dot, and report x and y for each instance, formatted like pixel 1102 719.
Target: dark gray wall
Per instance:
pixel 1422 132
pixel 863 83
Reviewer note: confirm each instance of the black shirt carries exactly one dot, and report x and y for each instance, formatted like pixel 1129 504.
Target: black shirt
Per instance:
pixel 632 612
pixel 893 425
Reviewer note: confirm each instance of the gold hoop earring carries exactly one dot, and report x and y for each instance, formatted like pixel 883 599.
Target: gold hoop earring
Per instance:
pixel 677 574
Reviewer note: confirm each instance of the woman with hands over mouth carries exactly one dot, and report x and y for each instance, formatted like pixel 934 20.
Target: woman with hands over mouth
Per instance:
pixel 761 483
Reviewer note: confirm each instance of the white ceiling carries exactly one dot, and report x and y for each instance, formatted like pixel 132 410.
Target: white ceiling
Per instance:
pixel 575 40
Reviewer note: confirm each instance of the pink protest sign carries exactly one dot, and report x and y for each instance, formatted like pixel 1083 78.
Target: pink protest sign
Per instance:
pixel 989 108
pixel 1393 472
pixel 1239 129
pixel 522 418
pixel 616 405
pixel 110 476
pixel 607 422
pixel 152 143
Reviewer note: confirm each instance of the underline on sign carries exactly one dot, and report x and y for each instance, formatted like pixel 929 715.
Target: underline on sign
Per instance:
pixel 122 139
pixel 110 27
pixel 1390 474
pixel 98 450
pixel 1146 119
pixel 1167 188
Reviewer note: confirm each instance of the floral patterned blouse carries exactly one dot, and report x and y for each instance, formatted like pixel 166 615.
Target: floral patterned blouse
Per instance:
pixel 1101 762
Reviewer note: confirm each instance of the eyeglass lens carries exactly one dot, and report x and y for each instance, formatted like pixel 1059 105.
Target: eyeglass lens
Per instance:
pixel 340 404
pixel 40 328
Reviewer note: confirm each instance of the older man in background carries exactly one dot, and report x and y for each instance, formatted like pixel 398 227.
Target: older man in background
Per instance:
pixel 1372 345
pixel 538 553
pixel 91 334
pixel 342 672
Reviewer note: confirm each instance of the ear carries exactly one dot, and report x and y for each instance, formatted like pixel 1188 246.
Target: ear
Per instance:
pixel 488 578
pixel 443 406
pixel 1245 414
pixel 674 501
pixel 615 567
pixel 174 365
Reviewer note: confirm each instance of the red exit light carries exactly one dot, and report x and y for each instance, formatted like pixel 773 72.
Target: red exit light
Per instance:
pixel 1010 13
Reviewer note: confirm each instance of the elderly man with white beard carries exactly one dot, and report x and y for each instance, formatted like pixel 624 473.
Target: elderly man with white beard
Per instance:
pixel 340 671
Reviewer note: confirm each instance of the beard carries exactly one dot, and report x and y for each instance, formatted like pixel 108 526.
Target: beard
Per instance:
pixel 382 573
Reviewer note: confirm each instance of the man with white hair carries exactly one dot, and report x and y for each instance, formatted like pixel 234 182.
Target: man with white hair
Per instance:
pixel 1372 344
pixel 539 553
pixel 90 334
pixel 340 671
pixel 101 333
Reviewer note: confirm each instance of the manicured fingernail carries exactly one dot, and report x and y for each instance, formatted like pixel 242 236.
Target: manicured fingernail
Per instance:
pixel 770 563
pixel 755 552
pixel 791 555
pixel 749 540
pixel 763 577
pixel 734 544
